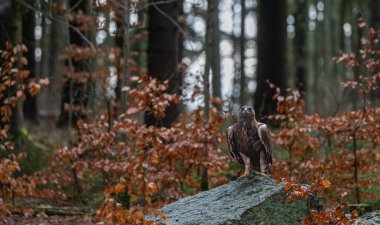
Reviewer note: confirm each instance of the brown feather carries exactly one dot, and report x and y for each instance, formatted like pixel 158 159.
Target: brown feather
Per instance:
pixel 248 138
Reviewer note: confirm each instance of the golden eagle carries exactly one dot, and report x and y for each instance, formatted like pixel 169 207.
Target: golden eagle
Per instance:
pixel 249 143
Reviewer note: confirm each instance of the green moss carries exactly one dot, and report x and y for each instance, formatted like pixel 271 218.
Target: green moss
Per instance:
pixel 276 210
pixel 37 153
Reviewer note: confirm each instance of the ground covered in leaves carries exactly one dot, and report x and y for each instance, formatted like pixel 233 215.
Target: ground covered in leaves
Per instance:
pixel 45 220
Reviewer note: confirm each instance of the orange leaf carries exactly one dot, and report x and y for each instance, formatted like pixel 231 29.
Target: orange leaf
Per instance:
pixel 326 184
pixel 152 186
pixel 355 213
pixel 287 186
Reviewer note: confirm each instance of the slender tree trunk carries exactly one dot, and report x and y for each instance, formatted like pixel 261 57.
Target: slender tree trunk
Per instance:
pixel 118 89
pixel 328 64
pixel 215 60
pixel 375 23
pixel 271 43
pixel 301 26
pixel 243 83
pixel 206 83
pixel 125 51
pixel 91 86
pixel 182 23
pixel 375 17
pixel 123 43
pixel 163 55
pixel 139 47
pixel 318 94
pixel 7 26
pixel 357 70
pixel 356 171
pixel 48 99
pixel 235 95
pixel 30 105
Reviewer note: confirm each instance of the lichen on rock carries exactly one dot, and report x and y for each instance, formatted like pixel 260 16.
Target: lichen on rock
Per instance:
pixel 371 218
pixel 251 200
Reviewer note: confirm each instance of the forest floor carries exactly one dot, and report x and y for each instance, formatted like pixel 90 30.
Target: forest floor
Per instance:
pixel 52 220
pixel 40 141
pixel 49 211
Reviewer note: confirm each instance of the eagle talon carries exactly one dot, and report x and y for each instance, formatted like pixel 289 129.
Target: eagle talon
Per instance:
pixel 242 176
pixel 261 174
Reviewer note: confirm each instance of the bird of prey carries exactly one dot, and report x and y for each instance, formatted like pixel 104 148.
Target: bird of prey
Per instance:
pixel 249 143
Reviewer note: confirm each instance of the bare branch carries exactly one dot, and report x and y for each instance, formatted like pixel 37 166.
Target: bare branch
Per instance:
pixel 22 2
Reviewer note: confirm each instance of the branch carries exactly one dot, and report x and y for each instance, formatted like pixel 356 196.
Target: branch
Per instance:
pixel 155 5
pixel 22 2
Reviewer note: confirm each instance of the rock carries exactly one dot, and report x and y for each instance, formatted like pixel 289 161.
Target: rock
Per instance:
pixel 371 218
pixel 251 200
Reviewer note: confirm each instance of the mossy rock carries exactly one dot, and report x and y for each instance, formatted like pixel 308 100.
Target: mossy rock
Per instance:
pixel 252 200
pixel 371 218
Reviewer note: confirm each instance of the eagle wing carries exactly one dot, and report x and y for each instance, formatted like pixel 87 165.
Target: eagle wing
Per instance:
pixel 264 136
pixel 232 147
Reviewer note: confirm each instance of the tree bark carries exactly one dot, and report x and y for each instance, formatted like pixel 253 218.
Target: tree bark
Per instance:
pixel 271 42
pixel 163 55
pixel 48 103
pixel 356 170
pixel 375 18
pixel 215 60
pixel 206 83
pixel 30 105
pixel 301 27
pixel 122 41
pixel 125 52
pixel 243 82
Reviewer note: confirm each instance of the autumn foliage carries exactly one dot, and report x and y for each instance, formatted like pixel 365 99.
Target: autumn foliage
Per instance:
pixel 14 85
pixel 142 167
pixel 339 153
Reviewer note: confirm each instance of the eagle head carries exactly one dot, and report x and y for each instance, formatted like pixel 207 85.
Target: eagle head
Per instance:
pixel 247 113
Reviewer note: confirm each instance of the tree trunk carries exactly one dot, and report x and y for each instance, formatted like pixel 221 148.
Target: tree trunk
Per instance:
pixel 271 42
pixel 30 105
pixel 375 18
pixel 125 52
pixel 122 41
pixel 206 83
pixel 356 170
pixel 215 60
pixel 181 36
pixel 48 104
pixel 243 83
pixel 375 23
pixel 163 55
pixel 301 27
pixel 327 75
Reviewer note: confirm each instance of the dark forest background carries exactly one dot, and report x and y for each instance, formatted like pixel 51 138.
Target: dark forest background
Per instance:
pixel 133 75
pixel 288 43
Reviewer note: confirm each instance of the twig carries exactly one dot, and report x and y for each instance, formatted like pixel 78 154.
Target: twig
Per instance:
pixel 22 2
